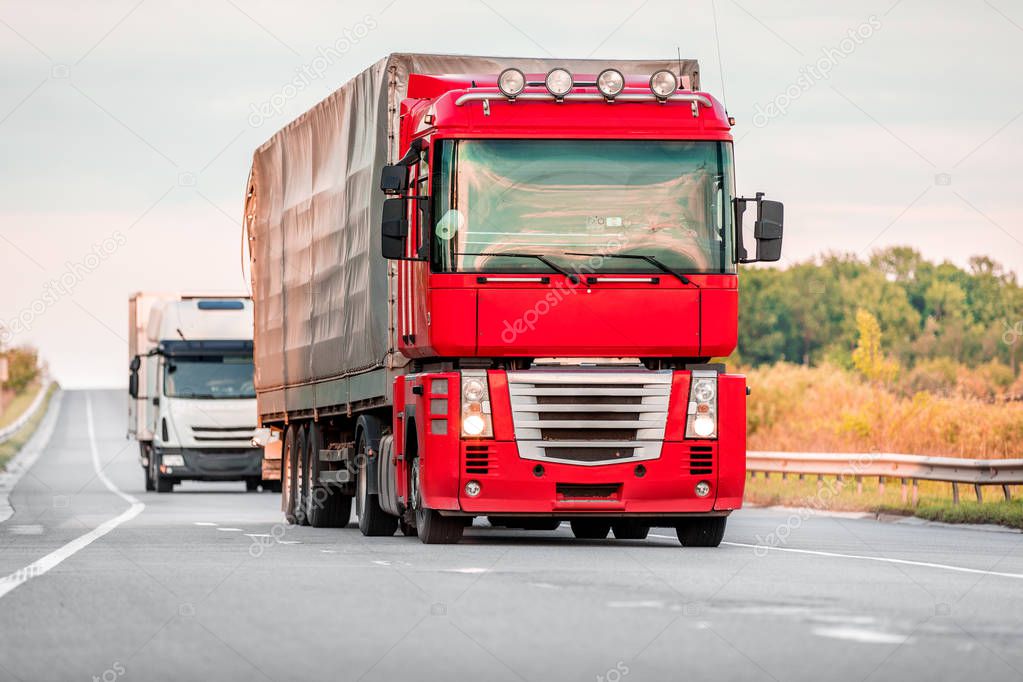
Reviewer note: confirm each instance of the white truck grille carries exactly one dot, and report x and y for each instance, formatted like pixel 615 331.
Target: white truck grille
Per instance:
pixel 589 417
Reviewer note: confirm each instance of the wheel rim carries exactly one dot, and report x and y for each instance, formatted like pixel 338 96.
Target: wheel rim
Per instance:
pixel 362 483
pixel 417 500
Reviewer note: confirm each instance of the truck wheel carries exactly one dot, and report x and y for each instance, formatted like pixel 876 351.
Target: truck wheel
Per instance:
pixel 251 485
pixel 302 474
pixel 630 529
pixel 289 475
pixel 432 527
pixel 701 532
pixel 590 529
pixel 147 453
pixel 270 486
pixel 373 521
pixel 164 484
pixel 326 507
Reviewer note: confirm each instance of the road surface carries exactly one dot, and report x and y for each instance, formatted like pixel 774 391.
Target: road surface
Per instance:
pixel 106 581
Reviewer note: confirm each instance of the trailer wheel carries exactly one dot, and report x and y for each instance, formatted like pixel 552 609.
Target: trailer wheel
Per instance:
pixel 701 532
pixel 325 506
pixel 147 454
pixel 432 527
pixel 630 529
pixel 251 485
pixel 590 529
pixel 303 492
pixel 161 484
pixel 373 521
pixel 289 475
pixel 271 486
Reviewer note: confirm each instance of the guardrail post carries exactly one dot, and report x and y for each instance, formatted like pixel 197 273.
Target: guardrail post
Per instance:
pixel 955 492
pixel 880 485
pixel 905 491
pixel 1006 492
pixel 976 489
pixel 859 485
pixel 916 492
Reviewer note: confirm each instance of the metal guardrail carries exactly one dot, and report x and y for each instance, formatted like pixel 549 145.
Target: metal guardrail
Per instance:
pixel 37 403
pixel 906 468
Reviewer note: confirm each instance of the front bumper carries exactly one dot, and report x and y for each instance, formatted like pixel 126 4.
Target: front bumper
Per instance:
pixel 225 464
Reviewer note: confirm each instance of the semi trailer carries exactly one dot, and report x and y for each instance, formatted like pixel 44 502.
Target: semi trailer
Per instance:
pixel 496 287
pixel 192 402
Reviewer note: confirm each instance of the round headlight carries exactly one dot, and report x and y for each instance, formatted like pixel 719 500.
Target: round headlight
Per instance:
pixel 473 389
pixel 511 82
pixel 663 83
pixel 473 425
pixel 703 425
pixel 610 82
pixel 703 391
pixel 559 82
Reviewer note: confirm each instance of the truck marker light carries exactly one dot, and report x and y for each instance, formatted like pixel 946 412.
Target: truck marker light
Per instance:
pixel 559 82
pixel 473 488
pixel 702 489
pixel 610 82
pixel 663 83
pixel 511 82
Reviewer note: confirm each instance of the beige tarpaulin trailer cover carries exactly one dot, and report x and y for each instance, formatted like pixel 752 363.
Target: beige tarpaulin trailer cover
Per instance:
pixel 312 214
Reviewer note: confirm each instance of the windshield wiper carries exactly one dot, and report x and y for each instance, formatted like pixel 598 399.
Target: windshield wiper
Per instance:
pixel 572 277
pixel 638 256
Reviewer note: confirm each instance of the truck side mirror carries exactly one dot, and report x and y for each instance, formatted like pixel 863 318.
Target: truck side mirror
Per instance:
pixel 133 377
pixel 393 229
pixel 768 230
pixel 394 179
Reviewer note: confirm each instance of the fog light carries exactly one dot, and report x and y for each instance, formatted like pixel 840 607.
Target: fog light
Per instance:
pixel 473 488
pixel 173 460
pixel 663 83
pixel 703 425
pixel 702 489
pixel 610 82
pixel 558 82
pixel 511 82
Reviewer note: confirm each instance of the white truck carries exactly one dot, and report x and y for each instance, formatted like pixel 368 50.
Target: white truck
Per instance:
pixel 192 405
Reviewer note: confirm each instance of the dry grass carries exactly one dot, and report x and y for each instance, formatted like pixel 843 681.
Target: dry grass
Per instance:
pixel 825 409
pixel 19 404
pixel 11 446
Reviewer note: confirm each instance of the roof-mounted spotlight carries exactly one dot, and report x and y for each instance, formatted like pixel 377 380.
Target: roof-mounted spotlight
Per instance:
pixel 559 82
pixel 610 82
pixel 511 83
pixel 663 84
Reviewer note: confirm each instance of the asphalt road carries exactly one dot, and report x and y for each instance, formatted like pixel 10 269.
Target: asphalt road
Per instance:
pixel 183 586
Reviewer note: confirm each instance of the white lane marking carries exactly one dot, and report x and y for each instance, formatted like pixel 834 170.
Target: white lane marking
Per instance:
pixel 204 523
pixel 28 529
pixel 230 530
pixel 862 557
pixel 886 560
pixel 471 570
pixel 54 558
pixel 647 604
pixel 860 635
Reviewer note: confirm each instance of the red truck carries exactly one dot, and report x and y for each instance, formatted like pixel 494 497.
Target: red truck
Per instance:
pixel 494 287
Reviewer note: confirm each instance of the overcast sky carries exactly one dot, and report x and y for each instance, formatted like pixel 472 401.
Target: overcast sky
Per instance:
pixel 127 128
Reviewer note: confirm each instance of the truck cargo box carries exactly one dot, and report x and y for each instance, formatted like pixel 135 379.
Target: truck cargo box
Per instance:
pixel 324 317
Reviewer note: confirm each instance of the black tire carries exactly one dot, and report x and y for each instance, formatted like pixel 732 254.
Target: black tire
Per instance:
pixel 590 529
pixel 373 521
pixel 148 468
pixel 164 484
pixel 431 526
pixel 251 485
pixel 289 474
pixel 271 486
pixel 325 506
pixel 407 529
pixel 701 532
pixel 302 457
pixel 630 529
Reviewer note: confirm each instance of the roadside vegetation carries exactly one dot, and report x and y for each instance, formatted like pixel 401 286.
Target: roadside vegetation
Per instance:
pixel 19 388
pixel 893 354
pixel 12 445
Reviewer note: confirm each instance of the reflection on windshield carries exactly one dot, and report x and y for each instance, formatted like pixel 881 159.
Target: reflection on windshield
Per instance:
pixel 209 376
pixel 667 199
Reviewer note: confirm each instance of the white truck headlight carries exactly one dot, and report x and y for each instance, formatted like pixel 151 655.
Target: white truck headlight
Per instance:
pixel 663 83
pixel 511 82
pixel 610 82
pixel 702 415
pixel 476 417
pixel 559 82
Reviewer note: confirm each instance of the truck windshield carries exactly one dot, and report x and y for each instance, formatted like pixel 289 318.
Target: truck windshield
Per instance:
pixel 666 199
pixel 209 376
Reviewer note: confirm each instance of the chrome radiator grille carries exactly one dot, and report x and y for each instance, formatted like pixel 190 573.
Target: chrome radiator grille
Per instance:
pixel 589 417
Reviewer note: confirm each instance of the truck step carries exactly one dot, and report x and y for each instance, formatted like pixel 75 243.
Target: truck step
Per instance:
pixel 342 476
